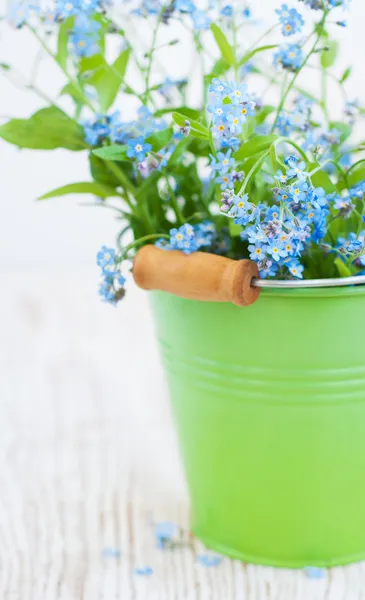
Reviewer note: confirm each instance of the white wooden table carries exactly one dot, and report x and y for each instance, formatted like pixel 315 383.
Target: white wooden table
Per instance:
pixel 88 460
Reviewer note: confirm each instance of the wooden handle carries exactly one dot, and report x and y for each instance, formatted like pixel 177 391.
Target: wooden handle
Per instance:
pixel 199 276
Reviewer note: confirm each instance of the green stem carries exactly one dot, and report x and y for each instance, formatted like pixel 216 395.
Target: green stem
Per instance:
pixel 80 91
pixel 252 171
pixel 150 59
pixel 179 216
pixel 323 102
pixel 142 240
pixel 126 184
pixel 294 78
pixel 293 144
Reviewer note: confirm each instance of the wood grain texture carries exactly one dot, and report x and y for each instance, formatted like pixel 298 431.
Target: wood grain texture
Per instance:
pixel 88 460
pixel 198 276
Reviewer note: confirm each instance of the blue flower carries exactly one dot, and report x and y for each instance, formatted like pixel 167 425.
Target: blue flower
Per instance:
pixel 201 20
pixel 315 572
pixel 223 162
pixel 295 268
pixel 344 205
pixel 185 6
pixel 257 251
pixel 219 87
pixel 280 176
pixel 277 250
pixel 272 213
pixel 20 11
pixel 183 239
pixel 85 36
pixel 208 560
pixel 291 20
pixel 298 190
pixel 138 149
pixel 105 256
pixel 227 10
pixel 143 571
pixel 98 129
pixel 291 160
pixel 165 533
pixel 237 92
pixel 297 170
pixel 218 110
pixel 225 180
pixel 290 57
pixel 241 210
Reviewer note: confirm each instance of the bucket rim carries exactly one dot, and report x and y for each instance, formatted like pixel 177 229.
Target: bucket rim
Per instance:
pixel 308 283
pixel 311 288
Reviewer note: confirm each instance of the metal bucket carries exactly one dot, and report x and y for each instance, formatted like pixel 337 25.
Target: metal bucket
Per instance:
pixel 269 403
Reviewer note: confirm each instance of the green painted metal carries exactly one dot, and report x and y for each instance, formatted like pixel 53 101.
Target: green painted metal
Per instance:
pixel 269 403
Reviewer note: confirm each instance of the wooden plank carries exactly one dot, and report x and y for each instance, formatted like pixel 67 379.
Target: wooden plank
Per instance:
pixel 89 463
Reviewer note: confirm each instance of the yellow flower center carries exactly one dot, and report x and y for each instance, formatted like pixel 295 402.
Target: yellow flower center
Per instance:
pixel 138 148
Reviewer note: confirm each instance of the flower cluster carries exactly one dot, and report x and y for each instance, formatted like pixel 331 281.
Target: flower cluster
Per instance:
pixel 85 32
pixel 112 287
pixel 326 4
pixel 230 107
pixel 164 170
pixel 352 248
pixel 223 166
pixel 189 238
pixel 290 19
pixel 277 234
pixel 289 56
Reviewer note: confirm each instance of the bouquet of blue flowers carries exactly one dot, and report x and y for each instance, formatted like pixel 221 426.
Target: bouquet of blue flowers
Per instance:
pixel 229 173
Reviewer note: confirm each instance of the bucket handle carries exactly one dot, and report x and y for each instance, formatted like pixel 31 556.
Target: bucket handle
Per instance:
pixel 198 276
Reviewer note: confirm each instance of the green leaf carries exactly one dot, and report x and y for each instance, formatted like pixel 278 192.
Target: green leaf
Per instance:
pixel 181 147
pixel 100 171
pixel 263 113
pixel 329 55
pixel 219 68
pixel 72 90
pixel 343 128
pixel 62 42
pixel 246 57
pixel 234 229
pixel 47 129
pixel 114 152
pixel 160 139
pixel 342 268
pixel 110 81
pixel 84 187
pixel 357 174
pixel 321 179
pixel 189 113
pixel 254 146
pixel 196 127
pixel 92 63
pixel 223 44
pixel 346 74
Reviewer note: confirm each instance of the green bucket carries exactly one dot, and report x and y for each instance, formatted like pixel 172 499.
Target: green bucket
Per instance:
pixel 269 403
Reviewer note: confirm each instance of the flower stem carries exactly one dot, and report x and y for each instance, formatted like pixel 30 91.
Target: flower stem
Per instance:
pixel 78 88
pixel 294 78
pixel 142 240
